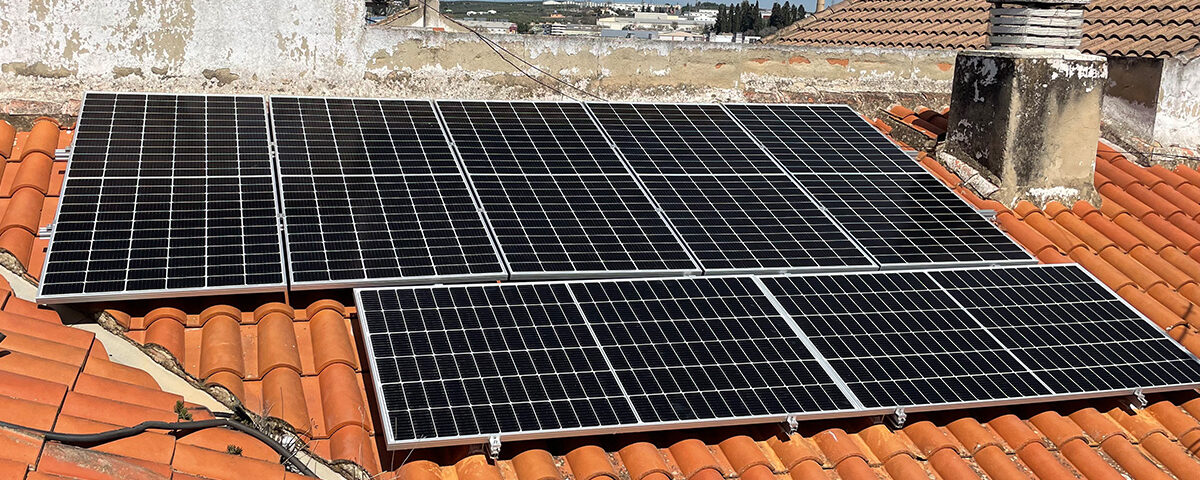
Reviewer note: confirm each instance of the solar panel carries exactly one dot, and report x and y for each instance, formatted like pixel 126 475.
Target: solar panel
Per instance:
pixel 822 139
pixel 734 207
pixel 911 220
pixel 165 195
pixel 463 362
pixel 752 222
pixel 705 348
pixel 372 194
pixel 898 339
pixel 681 139
pixel 1070 329
pixel 557 196
pixel 163 135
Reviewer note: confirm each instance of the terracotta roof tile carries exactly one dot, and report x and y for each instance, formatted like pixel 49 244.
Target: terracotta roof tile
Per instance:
pixel 1111 27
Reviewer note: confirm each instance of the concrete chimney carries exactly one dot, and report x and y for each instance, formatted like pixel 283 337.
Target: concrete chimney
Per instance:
pixel 1025 112
pixel 820 5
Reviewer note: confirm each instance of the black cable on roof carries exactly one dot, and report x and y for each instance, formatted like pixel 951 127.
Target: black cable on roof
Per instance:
pixel 104 437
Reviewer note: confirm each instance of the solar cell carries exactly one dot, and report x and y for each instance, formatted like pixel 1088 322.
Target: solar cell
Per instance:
pixel 165 194
pixel 1070 329
pixel 822 139
pixel 469 361
pixel 898 339
pixel 557 196
pixel 373 194
pixel 911 220
pixel 705 348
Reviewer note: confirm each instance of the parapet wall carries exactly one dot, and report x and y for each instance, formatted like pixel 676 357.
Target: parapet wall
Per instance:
pixel 53 50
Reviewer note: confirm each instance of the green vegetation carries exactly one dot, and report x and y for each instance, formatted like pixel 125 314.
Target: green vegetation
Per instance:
pixel 521 13
pixel 745 18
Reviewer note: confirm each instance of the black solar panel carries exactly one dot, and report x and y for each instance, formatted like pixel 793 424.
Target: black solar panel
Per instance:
pixel 556 194
pixel 478 360
pixel 165 194
pixel 385 227
pixel 122 236
pixel 905 219
pixel 372 193
pixel 704 349
pixel 898 339
pixel 163 135
pixel 822 139
pixel 681 139
pixel 1069 329
pixel 752 222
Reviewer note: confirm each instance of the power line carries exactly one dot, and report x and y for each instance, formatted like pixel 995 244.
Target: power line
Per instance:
pixel 498 48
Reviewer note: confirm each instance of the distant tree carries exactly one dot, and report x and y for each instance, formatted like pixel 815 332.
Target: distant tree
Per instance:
pixel 776 16
pixel 522 27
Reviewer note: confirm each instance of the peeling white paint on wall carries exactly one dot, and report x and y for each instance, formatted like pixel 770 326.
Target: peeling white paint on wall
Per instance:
pixel 1178 120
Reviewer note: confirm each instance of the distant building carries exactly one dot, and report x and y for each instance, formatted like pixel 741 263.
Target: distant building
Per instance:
pixel 655 21
pixel 681 37
pixel 638 34
pixel 570 30
pixel 491 27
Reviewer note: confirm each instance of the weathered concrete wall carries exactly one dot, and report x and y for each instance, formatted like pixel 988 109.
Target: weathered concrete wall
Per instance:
pixel 1178 120
pixel 1131 97
pixel 1030 118
pixel 53 50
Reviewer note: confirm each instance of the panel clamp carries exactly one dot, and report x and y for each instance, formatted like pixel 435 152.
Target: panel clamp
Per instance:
pixel 897 418
pixel 1139 398
pixel 792 423
pixel 494 446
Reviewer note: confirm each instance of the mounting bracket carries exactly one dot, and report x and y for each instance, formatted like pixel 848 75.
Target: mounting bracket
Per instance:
pixel 1139 398
pixel 897 418
pixel 493 447
pixel 792 423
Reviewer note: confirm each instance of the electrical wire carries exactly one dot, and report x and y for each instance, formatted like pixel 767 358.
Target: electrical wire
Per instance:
pixel 104 437
pixel 498 48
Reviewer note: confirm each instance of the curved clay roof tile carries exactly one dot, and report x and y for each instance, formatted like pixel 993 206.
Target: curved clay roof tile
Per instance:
pixel 283 397
pixel 221 347
pixel 476 467
pixel 24 211
pixel 331 341
pixel 34 172
pixel 354 444
pixel 8 136
pixel 276 339
pixel 43 138
pixel 692 456
pixel 535 465
pixel 644 461
pixel 342 398
pixel 743 453
pixel 589 462
pixel 837 446
pixel 18 242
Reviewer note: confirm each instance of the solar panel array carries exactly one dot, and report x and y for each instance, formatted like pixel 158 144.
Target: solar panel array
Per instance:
pixel 372 194
pixel 166 193
pixel 695 351
pixel 375 192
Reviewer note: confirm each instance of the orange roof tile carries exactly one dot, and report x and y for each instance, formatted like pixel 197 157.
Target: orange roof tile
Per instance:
pixel 1111 27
